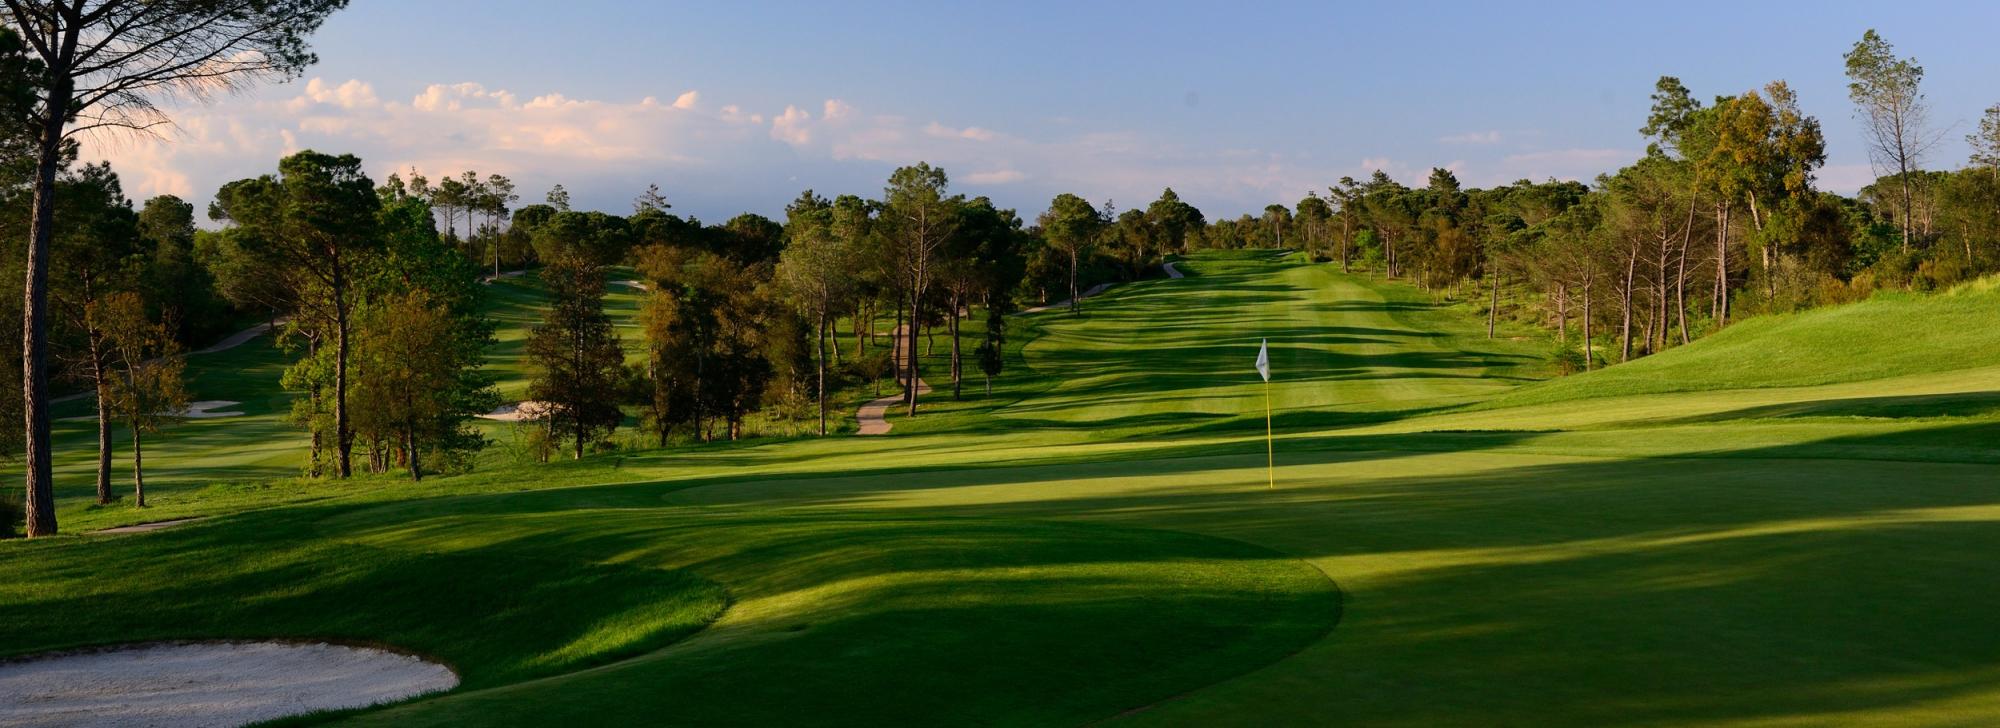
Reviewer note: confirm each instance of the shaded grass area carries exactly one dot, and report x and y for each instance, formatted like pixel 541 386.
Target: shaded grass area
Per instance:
pixel 968 619
pixel 915 620
pixel 1490 588
pixel 504 611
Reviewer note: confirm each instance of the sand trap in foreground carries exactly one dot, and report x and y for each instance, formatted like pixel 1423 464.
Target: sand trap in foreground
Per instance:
pixel 207 684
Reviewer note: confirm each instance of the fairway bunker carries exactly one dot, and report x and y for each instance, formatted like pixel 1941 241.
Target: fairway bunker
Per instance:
pixel 518 412
pixel 207 409
pixel 208 683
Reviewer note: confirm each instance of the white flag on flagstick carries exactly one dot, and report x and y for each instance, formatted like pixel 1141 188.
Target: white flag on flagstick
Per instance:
pixel 1264 360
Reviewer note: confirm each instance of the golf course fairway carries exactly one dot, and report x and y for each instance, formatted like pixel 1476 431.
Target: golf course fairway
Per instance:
pixel 1769 527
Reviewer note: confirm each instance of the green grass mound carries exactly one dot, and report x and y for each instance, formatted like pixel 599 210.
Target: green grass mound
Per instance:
pixel 848 617
pixel 871 620
pixel 274 577
pixel 1888 336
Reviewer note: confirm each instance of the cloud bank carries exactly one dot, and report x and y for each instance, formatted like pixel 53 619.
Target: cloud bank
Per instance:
pixel 716 160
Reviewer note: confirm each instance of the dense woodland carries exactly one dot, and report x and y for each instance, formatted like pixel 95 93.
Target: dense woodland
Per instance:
pixel 377 286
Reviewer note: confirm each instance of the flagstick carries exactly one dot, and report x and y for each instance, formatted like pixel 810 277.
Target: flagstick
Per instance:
pixel 1270 453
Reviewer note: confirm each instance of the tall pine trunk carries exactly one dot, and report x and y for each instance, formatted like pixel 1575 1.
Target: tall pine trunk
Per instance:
pixel 1770 260
pixel 1680 292
pixel 1074 259
pixel 40 476
pixel 896 348
pixel 138 467
pixel 832 335
pixel 1909 199
pixel 410 443
pixel 819 356
pixel 1659 338
pixel 318 464
pixel 955 373
pixel 1721 265
pixel 1625 304
pixel 101 384
pixel 343 437
pixel 910 350
pixel 1493 309
pixel 1562 312
pixel 1587 354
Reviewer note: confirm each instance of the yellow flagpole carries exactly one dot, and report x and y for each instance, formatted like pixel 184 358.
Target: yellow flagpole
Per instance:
pixel 1270 453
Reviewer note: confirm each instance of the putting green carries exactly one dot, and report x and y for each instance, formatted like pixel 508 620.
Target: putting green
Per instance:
pixel 1095 541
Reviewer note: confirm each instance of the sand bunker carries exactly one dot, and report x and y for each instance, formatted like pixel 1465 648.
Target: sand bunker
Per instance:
pixel 518 411
pixel 207 684
pixel 203 410
pixel 206 409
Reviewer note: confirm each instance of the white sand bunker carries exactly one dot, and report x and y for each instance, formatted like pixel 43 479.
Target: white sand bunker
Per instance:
pixel 207 684
pixel 518 411
pixel 206 409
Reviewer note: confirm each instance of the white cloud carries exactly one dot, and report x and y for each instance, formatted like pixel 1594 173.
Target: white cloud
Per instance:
pixel 836 110
pixel 736 115
pixel 793 127
pixel 995 177
pixel 353 94
pixel 603 149
pixel 971 132
pixel 1472 137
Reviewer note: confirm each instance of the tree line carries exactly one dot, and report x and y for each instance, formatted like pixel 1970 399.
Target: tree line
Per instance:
pixel 376 289
pixel 1721 218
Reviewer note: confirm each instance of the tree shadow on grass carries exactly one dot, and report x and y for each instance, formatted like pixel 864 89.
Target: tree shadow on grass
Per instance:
pixel 849 619
pixel 1593 592
pixel 496 613
pixel 1953 404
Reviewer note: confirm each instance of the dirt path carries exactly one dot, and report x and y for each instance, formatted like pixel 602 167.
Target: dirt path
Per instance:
pixel 232 341
pixel 1094 290
pixel 149 527
pixel 873 416
pixel 239 338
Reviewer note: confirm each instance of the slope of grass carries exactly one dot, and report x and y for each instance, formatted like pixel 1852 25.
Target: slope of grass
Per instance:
pixel 1890 335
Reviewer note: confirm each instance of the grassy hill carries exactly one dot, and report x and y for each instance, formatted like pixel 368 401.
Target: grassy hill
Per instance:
pixel 1891 335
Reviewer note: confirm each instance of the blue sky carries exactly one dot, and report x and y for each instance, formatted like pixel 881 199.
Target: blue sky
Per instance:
pixel 734 107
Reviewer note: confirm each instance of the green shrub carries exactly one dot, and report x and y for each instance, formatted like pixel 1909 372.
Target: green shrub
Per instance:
pixel 1565 358
pixel 12 512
